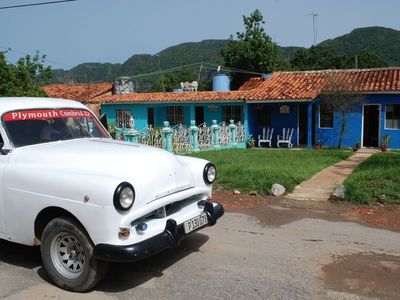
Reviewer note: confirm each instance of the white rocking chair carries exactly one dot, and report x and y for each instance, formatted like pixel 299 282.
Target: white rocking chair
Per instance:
pixel 266 137
pixel 286 137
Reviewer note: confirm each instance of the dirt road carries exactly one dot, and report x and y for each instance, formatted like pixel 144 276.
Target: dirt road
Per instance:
pixel 270 252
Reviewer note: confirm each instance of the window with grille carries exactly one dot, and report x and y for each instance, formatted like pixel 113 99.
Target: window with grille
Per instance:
pixel 393 116
pixel 325 116
pixel 232 113
pixel 123 117
pixel 175 115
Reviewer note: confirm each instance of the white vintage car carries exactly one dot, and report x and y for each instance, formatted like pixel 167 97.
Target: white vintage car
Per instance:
pixel 88 199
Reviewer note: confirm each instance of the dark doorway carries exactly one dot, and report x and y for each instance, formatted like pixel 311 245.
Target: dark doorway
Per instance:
pixel 199 115
pixel 303 124
pixel 371 126
pixel 150 116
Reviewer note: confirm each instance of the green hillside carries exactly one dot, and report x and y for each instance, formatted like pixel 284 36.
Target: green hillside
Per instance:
pixel 189 53
pixel 87 72
pixel 384 42
pixel 175 56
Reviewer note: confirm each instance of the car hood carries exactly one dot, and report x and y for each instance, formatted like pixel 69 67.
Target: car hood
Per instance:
pixel 136 163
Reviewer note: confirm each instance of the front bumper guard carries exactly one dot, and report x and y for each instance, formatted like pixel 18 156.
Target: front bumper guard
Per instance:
pixel 169 238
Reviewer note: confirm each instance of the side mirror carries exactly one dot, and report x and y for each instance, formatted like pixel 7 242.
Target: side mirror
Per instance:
pixel 3 151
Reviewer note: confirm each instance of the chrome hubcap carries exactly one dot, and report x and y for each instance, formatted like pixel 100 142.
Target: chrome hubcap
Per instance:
pixel 67 255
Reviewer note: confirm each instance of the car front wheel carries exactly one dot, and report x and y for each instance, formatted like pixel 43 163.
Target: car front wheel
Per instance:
pixel 67 256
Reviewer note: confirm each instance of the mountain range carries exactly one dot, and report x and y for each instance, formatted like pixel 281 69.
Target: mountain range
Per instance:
pixel 384 42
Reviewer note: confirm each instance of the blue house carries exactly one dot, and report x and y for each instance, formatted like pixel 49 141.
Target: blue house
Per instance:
pixel 282 100
pixel 294 100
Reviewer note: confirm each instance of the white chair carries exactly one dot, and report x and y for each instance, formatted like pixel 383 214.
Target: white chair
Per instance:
pixel 286 137
pixel 266 136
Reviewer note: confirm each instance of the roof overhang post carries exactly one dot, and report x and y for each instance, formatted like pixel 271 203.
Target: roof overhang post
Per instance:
pixel 309 125
pixel 246 120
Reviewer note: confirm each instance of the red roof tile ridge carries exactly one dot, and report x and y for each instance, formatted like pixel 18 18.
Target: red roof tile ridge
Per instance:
pixel 337 70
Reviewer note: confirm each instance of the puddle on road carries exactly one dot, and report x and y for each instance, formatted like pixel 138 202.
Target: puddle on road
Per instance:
pixel 365 274
pixel 274 215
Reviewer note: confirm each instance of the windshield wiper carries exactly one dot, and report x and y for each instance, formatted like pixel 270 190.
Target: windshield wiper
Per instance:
pixel 83 131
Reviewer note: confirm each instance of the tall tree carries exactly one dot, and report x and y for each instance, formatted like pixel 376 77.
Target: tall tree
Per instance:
pixel 322 57
pixel 25 78
pixel 318 58
pixel 253 50
pixel 369 60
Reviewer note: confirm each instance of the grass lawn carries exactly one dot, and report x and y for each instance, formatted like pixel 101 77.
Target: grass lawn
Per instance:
pixel 376 179
pixel 257 169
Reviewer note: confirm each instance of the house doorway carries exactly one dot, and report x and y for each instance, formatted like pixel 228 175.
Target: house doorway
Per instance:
pixel 371 125
pixel 199 115
pixel 303 124
pixel 150 116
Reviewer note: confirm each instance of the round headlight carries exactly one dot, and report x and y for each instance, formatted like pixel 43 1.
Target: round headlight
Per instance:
pixel 210 173
pixel 124 196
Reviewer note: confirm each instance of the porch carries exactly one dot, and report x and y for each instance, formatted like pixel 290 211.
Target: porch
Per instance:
pixel 179 127
pixel 301 116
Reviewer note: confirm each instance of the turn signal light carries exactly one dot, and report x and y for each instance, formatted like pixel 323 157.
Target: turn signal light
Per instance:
pixel 124 232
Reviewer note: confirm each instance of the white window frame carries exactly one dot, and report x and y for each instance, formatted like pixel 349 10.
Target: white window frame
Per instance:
pixel 319 118
pixel 386 109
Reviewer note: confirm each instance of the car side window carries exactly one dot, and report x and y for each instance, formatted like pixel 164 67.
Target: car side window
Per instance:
pixel 1 142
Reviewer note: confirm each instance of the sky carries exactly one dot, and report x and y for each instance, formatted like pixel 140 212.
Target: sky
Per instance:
pixel 113 30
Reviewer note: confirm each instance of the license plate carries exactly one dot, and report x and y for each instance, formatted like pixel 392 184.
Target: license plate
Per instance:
pixel 195 223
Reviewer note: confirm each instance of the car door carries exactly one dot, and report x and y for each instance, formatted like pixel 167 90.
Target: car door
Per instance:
pixel 4 156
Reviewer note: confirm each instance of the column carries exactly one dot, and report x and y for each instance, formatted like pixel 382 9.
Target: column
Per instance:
pixel 309 126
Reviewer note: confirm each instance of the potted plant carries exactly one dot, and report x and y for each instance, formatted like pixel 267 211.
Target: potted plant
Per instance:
pixel 250 142
pixel 385 142
pixel 357 146
pixel 111 128
pixel 317 145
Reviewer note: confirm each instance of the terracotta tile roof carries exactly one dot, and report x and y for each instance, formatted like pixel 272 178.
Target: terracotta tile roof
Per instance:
pixel 285 85
pixel 79 92
pixel 251 84
pixel 308 85
pixel 365 81
pixel 171 97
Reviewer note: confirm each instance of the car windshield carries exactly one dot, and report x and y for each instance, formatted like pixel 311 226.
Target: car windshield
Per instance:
pixel 28 127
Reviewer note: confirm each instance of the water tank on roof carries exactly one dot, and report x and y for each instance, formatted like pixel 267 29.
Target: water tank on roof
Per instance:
pixel 221 83
pixel 123 85
pixel 266 75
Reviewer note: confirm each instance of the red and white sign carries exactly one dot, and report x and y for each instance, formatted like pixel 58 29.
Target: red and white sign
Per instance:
pixel 45 114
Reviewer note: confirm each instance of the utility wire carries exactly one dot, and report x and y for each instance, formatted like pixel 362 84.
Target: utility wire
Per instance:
pixel 36 4
pixel 234 70
pixel 201 64
pixel 9 49
pixel 164 71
